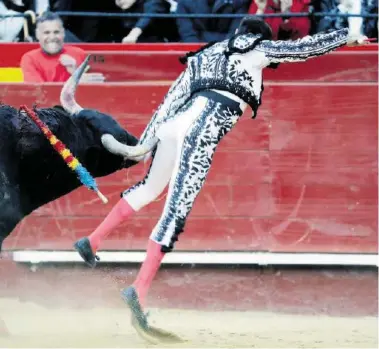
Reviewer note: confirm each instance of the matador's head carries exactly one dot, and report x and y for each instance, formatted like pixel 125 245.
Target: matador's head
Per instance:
pixel 255 25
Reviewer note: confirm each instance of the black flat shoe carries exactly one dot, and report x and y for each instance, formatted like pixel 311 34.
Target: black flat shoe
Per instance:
pixel 83 246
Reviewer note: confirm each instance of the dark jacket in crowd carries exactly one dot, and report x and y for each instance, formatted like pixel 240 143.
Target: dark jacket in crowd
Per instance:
pixel 209 29
pixel 86 29
pixel 370 25
pixel 153 29
pixel 27 5
pixel 329 22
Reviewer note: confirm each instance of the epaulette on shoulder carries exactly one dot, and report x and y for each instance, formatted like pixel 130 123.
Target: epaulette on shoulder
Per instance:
pixel 183 59
pixel 242 43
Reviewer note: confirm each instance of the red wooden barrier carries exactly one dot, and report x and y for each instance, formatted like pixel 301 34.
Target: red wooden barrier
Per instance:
pixel 160 62
pixel 301 177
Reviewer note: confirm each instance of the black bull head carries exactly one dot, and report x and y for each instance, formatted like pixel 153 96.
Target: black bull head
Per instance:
pixel 32 173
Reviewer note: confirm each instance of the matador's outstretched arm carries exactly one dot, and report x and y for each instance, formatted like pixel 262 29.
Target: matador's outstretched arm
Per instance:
pixel 308 47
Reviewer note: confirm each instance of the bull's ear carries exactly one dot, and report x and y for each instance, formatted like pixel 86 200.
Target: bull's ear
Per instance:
pixel 81 114
pixel 98 122
pixel 59 107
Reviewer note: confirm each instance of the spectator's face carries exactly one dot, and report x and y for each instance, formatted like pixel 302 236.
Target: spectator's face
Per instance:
pixel 50 35
pixel 125 4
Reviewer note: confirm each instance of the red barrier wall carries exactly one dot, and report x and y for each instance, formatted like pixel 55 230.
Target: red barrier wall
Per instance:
pixel 160 62
pixel 301 177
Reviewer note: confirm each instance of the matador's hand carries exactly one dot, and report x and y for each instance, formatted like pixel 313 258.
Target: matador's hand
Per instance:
pixel 357 40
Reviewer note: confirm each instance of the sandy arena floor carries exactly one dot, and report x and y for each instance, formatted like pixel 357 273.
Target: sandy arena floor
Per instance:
pixel 33 326
pixel 79 308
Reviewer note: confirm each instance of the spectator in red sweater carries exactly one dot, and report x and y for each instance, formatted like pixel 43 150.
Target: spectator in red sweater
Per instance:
pixel 53 61
pixel 284 28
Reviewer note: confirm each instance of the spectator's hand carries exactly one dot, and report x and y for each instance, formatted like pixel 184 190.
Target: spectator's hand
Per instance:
pixel 357 40
pixel 133 36
pixel 285 5
pixel 92 78
pixel 261 5
pixel 68 62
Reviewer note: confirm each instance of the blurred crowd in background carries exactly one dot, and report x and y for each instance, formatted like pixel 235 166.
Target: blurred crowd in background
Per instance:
pixel 195 29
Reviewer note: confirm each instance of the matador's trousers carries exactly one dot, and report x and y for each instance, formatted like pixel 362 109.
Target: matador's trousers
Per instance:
pixel 182 159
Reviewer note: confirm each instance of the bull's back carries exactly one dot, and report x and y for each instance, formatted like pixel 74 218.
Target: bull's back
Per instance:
pixel 9 174
pixel 8 133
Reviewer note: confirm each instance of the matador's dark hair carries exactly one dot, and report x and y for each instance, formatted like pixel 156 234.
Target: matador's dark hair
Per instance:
pixel 255 25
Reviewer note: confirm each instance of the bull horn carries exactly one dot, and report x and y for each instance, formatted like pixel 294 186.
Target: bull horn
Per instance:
pixel 67 98
pixel 116 147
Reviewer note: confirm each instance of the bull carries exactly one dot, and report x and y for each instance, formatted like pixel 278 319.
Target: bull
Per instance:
pixel 32 173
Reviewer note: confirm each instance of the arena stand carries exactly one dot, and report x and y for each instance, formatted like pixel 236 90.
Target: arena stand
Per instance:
pixel 298 185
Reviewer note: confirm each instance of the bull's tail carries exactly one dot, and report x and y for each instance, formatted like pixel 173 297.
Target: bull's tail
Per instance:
pixel 71 161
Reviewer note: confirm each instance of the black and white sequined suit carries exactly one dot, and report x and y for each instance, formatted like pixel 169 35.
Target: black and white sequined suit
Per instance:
pixel 200 108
